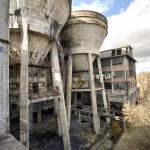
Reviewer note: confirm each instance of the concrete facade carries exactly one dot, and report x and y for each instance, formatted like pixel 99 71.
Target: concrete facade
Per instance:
pixel 4 68
pixel 34 27
pixel 118 66
pixel 38 77
pixel 11 143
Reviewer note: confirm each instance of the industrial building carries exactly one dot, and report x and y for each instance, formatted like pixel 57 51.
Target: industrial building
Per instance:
pixel 80 55
pixel 34 78
pixel 51 75
pixel 118 67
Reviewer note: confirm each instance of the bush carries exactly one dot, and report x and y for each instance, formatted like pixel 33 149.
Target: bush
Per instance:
pixel 137 136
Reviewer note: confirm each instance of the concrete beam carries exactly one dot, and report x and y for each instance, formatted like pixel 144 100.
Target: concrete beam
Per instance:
pixel 96 118
pixel 69 90
pixel 103 88
pixel 24 103
pixel 57 81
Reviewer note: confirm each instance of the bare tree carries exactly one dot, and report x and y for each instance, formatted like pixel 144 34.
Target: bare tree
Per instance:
pixel 137 135
pixel 143 80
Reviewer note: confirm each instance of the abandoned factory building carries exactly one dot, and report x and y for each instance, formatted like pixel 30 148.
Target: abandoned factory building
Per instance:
pixel 119 72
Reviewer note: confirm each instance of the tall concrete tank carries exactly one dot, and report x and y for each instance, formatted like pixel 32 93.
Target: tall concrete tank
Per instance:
pixel 34 31
pixel 82 38
pixel 84 33
pixel 46 19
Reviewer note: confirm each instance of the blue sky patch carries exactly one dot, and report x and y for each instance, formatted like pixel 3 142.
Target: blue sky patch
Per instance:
pixel 115 8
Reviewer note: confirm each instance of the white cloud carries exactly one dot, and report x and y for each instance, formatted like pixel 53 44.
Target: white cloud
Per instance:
pixel 143 65
pixel 95 5
pixel 132 27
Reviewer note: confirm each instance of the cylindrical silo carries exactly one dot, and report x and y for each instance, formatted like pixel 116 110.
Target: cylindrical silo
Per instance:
pixel 82 38
pixel 84 33
pixel 34 31
pixel 45 18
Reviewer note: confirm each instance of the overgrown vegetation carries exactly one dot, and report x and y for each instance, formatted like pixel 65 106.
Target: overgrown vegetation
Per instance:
pixel 137 135
pixel 137 115
pixel 143 82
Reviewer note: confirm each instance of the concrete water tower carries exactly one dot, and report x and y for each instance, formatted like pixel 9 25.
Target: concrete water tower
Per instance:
pixel 34 30
pixel 82 38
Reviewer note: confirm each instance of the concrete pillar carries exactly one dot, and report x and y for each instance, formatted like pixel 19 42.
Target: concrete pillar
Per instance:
pixel 57 81
pixel 75 99
pixel 96 118
pixel 4 68
pixel 69 89
pixel 56 104
pixel 79 116
pixel 39 114
pixel 57 111
pixel 30 117
pixel 24 110
pixel 112 79
pixel 103 87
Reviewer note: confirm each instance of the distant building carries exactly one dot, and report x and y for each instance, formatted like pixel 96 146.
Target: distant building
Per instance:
pixel 118 67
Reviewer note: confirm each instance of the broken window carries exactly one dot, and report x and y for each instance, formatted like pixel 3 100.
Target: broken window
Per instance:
pixel 108 86
pixel 106 62
pixel 117 60
pixel 107 75
pixel 113 53
pixel 120 86
pixel 119 74
pixel 119 52
pixel 35 87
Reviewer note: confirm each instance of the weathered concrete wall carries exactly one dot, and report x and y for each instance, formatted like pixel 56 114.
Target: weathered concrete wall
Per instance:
pixel 10 143
pixel 44 16
pixel 41 22
pixel 84 33
pixel 4 68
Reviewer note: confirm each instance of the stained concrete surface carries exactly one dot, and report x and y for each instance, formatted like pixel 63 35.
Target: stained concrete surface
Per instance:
pixel 10 143
pixel 81 138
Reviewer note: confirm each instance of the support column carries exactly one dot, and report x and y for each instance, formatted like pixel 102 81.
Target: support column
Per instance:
pixel 103 87
pixel 39 114
pixel 57 111
pixel 30 117
pixel 4 68
pixel 24 104
pixel 69 90
pixel 57 81
pixel 56 104
pixel 75 103
pixel 96 118
pixel 112 79
pixel 75 99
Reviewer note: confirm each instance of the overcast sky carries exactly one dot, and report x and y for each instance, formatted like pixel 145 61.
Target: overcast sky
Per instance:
pixel 129 24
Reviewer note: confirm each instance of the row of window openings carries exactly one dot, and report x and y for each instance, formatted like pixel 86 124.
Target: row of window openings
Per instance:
pixel 115 61
pixel 118 74
pixel 116 52
pixel 116 86
pixel 119 52
pixel 114 74
pixel 120 86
